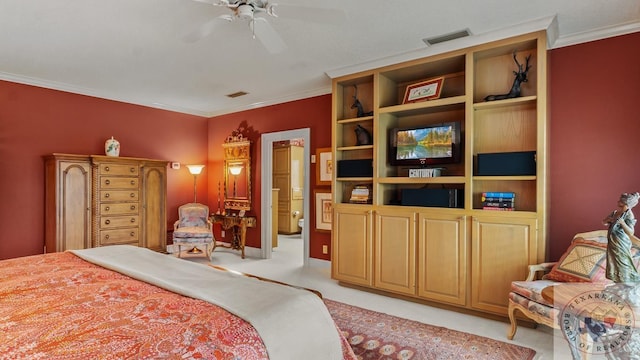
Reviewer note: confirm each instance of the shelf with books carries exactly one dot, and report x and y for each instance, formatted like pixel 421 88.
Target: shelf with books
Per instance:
pixel 524 193
pixel 344 191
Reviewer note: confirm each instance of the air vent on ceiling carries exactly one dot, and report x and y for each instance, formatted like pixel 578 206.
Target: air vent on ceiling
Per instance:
pixel 447 37
pixel 236 94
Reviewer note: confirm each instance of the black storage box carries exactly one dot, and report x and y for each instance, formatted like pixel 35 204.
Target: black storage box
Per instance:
pixel 355 168
pixel 507 163
pixel 447 198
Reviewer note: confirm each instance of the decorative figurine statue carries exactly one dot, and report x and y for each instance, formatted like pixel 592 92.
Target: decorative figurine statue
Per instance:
pixel 621 223
pixel 357 104
pixel 521 76
pixel 363 137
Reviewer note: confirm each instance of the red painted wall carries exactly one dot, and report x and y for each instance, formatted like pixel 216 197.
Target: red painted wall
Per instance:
pixel 36 121
pixel 595 130
pixel 313 113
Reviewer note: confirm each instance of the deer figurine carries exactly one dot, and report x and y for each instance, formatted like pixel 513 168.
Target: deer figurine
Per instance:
pixel 357 104
pixel 521 76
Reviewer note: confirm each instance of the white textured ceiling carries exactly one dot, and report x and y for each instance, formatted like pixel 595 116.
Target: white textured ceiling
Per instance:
pixel 134 50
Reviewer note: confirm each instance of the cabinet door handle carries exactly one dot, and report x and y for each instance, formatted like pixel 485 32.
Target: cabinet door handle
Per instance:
pixel 133 220
pixel 107 182
pixel 106 195
pixel 107 222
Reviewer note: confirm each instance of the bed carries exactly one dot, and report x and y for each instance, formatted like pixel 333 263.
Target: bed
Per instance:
pixel 125 302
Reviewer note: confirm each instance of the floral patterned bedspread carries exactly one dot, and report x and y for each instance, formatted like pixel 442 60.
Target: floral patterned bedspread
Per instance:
pixel 58 306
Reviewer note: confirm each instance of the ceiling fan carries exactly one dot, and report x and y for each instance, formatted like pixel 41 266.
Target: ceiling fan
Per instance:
pixel 253 11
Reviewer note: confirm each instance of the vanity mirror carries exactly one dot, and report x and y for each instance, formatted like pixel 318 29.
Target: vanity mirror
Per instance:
pixel 237 173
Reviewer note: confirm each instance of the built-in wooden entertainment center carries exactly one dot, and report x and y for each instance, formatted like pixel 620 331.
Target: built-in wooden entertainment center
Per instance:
pixel 464 256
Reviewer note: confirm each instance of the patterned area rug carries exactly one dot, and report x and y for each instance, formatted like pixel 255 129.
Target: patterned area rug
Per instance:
pixel 379 336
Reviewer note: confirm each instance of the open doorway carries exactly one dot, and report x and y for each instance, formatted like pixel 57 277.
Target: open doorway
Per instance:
pixel 266 177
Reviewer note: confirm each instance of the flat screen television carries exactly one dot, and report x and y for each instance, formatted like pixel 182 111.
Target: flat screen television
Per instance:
pixel 432 144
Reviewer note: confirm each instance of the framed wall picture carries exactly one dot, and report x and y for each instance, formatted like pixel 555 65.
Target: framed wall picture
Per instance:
pixel 324 166
pixel 324 210
pixel 424 90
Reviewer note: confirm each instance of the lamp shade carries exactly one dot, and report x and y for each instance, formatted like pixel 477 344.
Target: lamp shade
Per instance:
pixel 195 169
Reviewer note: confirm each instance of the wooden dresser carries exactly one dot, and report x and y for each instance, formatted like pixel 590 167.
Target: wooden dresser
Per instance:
pixel 94 200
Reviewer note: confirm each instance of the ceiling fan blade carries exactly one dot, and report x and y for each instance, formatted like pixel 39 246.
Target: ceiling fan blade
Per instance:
pixel 308 13
pixel 205 29
pixel 267 35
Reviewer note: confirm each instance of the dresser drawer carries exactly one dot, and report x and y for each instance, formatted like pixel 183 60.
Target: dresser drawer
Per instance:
pixel 108 222
pixel 109 182
pixel 119 209
pixel 118 169
pixel 120 236
pixel 119 195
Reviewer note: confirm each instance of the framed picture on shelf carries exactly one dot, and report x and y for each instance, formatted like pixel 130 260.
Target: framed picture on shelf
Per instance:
pixel 424 90
pixel 324 166
pixel 324 210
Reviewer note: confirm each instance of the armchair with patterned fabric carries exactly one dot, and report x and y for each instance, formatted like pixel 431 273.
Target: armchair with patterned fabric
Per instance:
pixel 193 228
pixel 540 298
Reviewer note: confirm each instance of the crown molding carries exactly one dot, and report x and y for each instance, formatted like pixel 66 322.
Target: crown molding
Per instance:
pixel 545 23
pixel 599 34
pixel 53 85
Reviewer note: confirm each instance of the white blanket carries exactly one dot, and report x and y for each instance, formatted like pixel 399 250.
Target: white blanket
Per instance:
pixel 293 323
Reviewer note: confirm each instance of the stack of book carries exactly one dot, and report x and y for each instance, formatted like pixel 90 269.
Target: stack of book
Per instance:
pixel 504 201
pixel 361 194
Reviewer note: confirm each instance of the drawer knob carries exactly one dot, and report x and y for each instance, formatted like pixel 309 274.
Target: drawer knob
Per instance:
pixel 107 208
pixel 133 220
pixel 133 182
pixel 132 234
pixel 106 195
pixel 133 170
pixel 133 195
pixel 107 221
pixel 106 237
pixel 107 182
pixel 106 168
pixel 133 207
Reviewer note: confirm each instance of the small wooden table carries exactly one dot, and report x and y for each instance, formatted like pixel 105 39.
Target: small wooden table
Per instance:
pixel 238 226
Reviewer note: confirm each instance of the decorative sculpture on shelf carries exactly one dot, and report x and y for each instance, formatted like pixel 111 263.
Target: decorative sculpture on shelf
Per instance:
pixel 363 136
pixel 521 76
pixel 358 105
pixel 620 238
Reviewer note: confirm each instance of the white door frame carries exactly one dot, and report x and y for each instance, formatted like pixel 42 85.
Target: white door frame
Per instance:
pixel 266 179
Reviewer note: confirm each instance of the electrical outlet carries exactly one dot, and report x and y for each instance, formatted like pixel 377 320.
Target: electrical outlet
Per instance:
pixel 222 233
pixel 325 249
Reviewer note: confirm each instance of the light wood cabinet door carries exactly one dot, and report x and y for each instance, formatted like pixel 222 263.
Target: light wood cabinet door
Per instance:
pixel 442 257
pixel 68 203
pixel 395 251
pixel 502 249
pixel 154 203
pixel 352 245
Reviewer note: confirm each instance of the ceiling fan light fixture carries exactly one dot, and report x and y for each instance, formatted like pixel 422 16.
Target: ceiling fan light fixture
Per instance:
pixel 447 37
pixel 245 11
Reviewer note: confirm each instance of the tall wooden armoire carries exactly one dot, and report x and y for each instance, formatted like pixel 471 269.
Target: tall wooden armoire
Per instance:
pixel 101 200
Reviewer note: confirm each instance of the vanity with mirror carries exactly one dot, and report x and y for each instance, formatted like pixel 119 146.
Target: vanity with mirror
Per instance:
pixel 237 192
